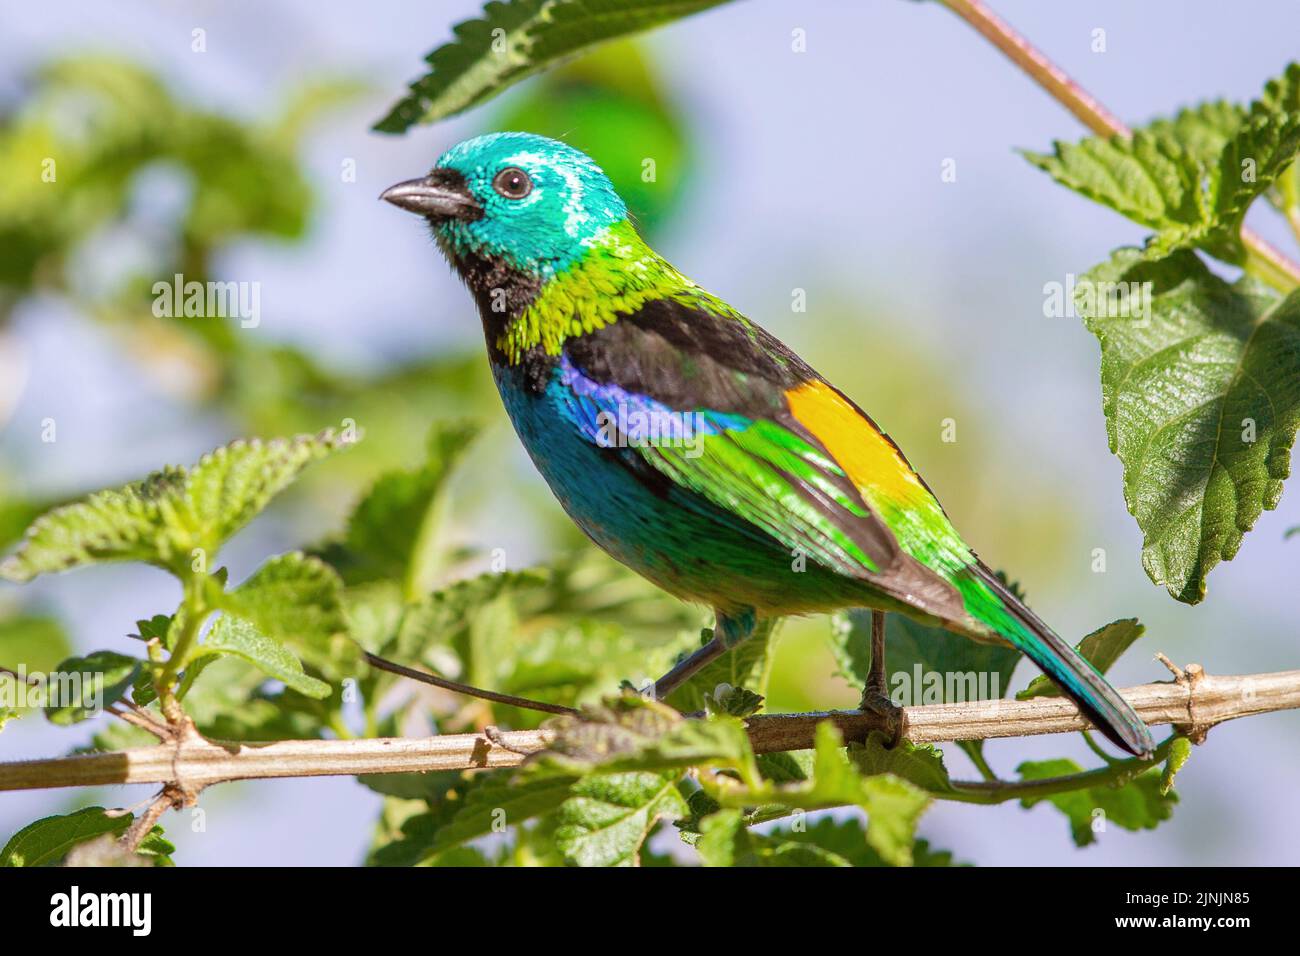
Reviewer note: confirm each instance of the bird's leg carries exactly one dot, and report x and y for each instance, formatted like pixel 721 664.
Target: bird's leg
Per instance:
pixel 875 695
pixel 728 631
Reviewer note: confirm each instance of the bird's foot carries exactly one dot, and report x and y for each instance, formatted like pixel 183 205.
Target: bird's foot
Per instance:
pixel 876 701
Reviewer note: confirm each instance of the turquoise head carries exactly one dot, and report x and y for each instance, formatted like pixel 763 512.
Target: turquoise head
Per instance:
pixel 530 203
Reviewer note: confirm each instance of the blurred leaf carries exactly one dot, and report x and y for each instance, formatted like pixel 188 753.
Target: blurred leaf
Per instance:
pixel 610 104
pixel 32 641
pixel 48 840
pixel 608 816
pixel 393 531
pixel 240 638
pixel 1137 805
pixel 163 519
pixel 938 666
pixel 1202 402
pixel 1102 648
pixel 515 39
pixel 81 687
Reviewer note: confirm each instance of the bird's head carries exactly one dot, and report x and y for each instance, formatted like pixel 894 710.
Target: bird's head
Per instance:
pixel 531 203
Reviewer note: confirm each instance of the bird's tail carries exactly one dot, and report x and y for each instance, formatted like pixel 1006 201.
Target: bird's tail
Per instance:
pixel 989 601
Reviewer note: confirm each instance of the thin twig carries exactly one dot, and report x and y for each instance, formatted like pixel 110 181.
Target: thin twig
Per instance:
pixel 159 730
pixel 423 677
pixel 1272 264
pixel 192 762
pixel 140 828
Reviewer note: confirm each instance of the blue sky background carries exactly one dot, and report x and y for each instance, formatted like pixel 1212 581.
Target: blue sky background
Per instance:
pixel 818 170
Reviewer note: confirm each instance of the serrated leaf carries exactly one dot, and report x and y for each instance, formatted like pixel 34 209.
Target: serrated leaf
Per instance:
pixel 516 39
pixel 240 638
pixel 494 801
pixel 726 841
pixel 920 764
pixel 1138 805
pixel 608 816
pixel 1190 179
pixel 113 525
pixel 893 806
pixel 48 840
pixel 1202 402
pixel 81 687
pixel 1102 648
pixel 229 486
pixel 637 733
pixel 165 518
pixel 844 839
pixel 297 600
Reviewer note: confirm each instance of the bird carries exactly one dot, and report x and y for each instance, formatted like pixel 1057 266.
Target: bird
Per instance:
pixel 689 443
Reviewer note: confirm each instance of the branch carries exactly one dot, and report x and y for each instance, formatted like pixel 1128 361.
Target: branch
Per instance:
pixel 1193 703
pixel 1271 264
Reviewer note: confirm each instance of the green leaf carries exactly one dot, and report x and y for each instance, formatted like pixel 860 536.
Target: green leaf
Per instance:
pixel 32 641
pixel 608 816
pixel 920 764
pixel 614 105
pixel 115 525
pixel 638 733
pixel 1192 178
pixel 29 645
pixel 231 485
pixel 494 801
pixel 726 841
pixel 893 805
pixel 439 617
pixel 843 839
pixel 744 666
pixel 1202 402
pixel 1179 751
pixel 81 687
pixel 927 665
pixel 167 517
pixel 297 600
pixel 1102 648
pixel 240 638
pixel 48 840
pixel 1138 805
pixel 516 39
pixel 392 533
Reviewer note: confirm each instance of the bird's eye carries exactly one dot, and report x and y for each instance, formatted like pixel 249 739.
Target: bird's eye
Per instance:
pixel 513 183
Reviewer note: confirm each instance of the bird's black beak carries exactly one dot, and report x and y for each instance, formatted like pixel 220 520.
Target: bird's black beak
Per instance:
pixel 442 194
